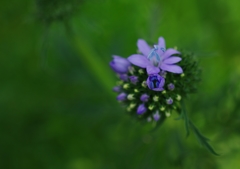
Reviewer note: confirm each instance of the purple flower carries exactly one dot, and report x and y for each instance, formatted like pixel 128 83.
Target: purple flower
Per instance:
pixel 156 116
pixel 144 97
pixel 141 109
pixel 169 101
pixel 123 77
pixel 157 58
pixel 133 79
pixel 117 89
pixel 122 97
pixel 119 64
pixel 171 86
pixel 155 82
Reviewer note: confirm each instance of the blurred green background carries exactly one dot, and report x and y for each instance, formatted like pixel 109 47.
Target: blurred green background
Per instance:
pixel 57 108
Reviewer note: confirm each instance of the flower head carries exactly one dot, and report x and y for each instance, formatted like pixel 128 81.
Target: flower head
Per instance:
pixel 119 65
pixel 143 76
pixel 156 58
pixel 151 84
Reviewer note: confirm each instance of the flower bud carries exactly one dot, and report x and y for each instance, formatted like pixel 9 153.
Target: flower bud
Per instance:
pixel 144 97
pixel 155 82
pixel 123 77
pixel 156 116
pixel 130 97
pixel 141 109
pixel 169 101
pixel 162 108
pixel 122 97
pixel 178 97
pixel 126 86
pixel 171 86
pixel 144 84
pixel 117 89
pixel 155 98
pixel 151 107
pixel 119 64
pixel 167 113
pixel 133 79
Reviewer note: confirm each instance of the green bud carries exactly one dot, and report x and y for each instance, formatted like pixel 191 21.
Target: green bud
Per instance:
pixel 162 108
pixel 119 83
pixel 178 97
pixel 131 70
pixel 144 84
pixel 132 105
pixel 149 119
pixel 130 97
pixel 155 98
pixel 167 113
pixel 136 90
pixel 129 109
pixel 140 71
pixel 126 86
pixel 151 107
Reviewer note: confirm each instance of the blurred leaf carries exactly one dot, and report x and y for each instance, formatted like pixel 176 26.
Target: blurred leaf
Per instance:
pixel 202 139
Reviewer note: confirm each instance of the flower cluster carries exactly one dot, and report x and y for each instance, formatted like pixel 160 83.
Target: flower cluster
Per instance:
pixel 153 82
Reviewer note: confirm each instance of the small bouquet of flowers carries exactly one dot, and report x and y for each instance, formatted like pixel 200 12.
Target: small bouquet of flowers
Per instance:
pixel 154 83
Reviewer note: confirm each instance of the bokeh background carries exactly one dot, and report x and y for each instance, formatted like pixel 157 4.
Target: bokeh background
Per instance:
pixel 57 108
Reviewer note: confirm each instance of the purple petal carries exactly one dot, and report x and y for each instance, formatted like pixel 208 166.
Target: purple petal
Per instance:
pixel 169 53
pixel 171 68
pixel 172 60
pixel 152 69
pixel 121 60
pixel 138 60
pixel 143 47
pixel 161 43
pixel 158 89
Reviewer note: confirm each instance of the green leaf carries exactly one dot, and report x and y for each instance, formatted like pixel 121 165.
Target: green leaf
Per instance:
pixel 188 123
pixel 202 139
